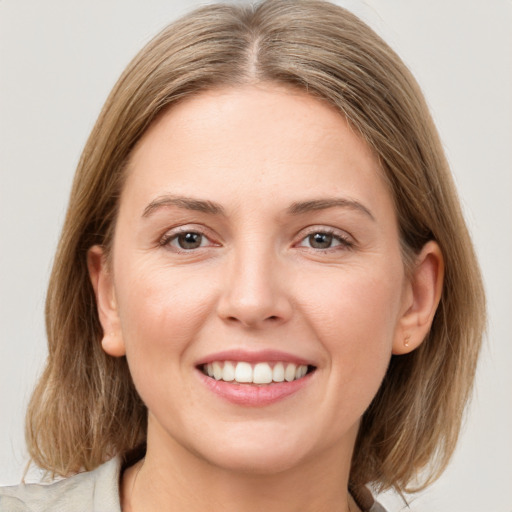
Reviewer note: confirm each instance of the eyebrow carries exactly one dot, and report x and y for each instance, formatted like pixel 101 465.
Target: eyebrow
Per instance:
pixel 187 203
pixel 299 208
pixel 212 208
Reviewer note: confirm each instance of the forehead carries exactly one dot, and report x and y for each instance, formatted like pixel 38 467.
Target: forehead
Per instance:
pixel 252 141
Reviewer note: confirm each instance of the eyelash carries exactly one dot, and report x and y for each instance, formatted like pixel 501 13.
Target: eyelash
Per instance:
pixel 173 235
pixel 344 241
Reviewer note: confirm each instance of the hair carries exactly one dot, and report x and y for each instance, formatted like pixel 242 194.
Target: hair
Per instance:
pixel 85 408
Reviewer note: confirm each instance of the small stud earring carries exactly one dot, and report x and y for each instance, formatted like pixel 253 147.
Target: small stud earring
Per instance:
pixel 406 340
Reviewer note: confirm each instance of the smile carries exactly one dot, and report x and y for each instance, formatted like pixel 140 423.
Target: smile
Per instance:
pixel 255 379
pixel 260 373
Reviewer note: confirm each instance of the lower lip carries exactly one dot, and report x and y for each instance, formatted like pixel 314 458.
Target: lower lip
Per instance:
pixel 254 395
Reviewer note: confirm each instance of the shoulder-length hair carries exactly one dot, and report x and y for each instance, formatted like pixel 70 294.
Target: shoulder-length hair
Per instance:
pixel 85 408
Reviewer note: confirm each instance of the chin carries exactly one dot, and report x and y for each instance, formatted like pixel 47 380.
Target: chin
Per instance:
pixel 260 451
pixel 256 460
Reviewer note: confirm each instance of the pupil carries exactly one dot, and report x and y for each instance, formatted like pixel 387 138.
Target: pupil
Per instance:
pixel 320 240
pixel 189 240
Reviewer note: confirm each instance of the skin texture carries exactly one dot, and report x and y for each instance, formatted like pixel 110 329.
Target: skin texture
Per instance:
pixel 256 283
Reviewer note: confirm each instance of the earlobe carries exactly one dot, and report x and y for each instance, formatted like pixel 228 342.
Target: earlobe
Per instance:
pixel 113 344
pixel 422 298
pixel 102 283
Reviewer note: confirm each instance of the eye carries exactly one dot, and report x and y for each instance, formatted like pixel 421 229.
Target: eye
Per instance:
pixel 320 240
pixel 323 240
pixel 185 240
pixel 189 240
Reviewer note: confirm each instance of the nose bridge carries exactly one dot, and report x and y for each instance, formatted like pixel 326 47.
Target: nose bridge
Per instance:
pixel 254 293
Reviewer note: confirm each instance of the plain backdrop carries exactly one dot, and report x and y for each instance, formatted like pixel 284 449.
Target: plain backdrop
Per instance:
pixel 58 61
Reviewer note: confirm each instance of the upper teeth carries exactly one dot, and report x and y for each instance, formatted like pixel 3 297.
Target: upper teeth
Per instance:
pixel 259 373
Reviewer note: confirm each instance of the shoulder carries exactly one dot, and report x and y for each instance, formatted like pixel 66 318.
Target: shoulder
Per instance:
pixel 96 491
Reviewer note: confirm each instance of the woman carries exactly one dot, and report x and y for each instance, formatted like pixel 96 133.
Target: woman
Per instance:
pixel 257 301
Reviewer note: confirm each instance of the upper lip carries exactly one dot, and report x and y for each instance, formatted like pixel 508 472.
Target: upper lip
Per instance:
pixel 259 356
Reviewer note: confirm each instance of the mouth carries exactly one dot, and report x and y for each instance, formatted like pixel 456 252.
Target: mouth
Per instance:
pixel 256 379
pixel 261 373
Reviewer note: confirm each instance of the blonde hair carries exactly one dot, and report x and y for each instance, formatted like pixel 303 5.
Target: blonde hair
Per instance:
pixel 85 408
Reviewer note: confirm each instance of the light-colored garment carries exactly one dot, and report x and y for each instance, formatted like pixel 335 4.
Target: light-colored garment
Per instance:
pixel 94 491
pixel 377 507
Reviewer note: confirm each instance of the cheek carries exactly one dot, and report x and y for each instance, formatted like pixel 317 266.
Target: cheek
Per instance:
pixel 355 316
pixel 354 306
pixel 161 309
pixel 161 312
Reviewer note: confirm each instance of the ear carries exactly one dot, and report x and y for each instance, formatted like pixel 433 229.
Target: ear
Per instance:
pixel 103 285
pixel 421 298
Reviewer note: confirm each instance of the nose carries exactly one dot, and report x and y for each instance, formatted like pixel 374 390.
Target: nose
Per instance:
pixel 255 292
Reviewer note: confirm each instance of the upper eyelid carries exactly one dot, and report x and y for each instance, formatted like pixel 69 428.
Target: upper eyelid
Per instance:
pixel 325 229
pixel 185 228
pixel 173 232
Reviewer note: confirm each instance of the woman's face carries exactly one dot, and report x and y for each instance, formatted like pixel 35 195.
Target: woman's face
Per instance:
pixel 256 238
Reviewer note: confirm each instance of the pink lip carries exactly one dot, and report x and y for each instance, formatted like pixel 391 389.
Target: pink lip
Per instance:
pixel 260 356
pixel 253 395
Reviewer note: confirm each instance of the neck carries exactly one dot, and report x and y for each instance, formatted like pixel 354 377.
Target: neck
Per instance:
pixel 174 479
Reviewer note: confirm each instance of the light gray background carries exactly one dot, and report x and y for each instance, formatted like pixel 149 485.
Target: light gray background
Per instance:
pixel 58 61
